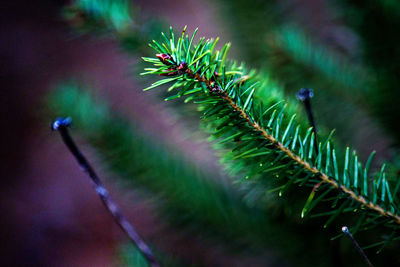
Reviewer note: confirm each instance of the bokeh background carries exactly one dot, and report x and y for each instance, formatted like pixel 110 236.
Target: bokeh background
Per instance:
pixel 51 216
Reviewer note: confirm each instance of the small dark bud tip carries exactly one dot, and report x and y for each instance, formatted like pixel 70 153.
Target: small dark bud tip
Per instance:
pixel 61 122
pixel 215 88
pixel 164 58
pixel 182 66
pixel 304 94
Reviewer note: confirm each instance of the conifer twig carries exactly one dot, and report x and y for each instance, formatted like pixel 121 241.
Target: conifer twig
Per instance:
pixel 215 89
pixel 61 125
pixel 346 231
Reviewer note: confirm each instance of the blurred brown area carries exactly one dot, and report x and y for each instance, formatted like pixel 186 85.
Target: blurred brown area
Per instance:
pixel 50 214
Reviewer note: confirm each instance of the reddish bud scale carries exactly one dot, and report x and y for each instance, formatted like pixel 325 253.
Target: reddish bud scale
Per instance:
pixel 169 72
pixel 181 69
pixel 165 58
pixel 182 66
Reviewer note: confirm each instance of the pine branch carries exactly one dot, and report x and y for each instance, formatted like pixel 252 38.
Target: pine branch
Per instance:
pixel 226 94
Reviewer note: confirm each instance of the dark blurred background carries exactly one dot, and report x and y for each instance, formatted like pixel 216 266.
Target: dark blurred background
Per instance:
pixel 50 214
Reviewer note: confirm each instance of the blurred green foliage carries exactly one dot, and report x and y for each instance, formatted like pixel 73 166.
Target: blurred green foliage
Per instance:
pixel 191 197
pixel 377 24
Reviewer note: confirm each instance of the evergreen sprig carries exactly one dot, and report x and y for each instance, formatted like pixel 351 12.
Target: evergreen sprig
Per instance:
pixel 264 140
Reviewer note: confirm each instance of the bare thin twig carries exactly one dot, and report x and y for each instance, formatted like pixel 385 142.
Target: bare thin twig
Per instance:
pixel 346 231
pixel 61 125
pixel 304 95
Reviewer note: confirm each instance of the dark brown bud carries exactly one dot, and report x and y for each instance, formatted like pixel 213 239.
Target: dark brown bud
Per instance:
pixel 182 66
pixel 164 58
pixel 215 88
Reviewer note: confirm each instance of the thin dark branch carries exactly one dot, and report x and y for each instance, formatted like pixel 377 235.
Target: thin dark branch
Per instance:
pixel 61 125
pixel 346 231
pixel 305 95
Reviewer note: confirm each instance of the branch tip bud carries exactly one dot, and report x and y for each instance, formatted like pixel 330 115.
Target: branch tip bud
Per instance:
pixel 304 94
pixel 60 122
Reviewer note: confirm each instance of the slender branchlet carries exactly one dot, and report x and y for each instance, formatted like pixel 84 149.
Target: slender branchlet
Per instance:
pixel 346 231
pixel 305 95
pixel 61 125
